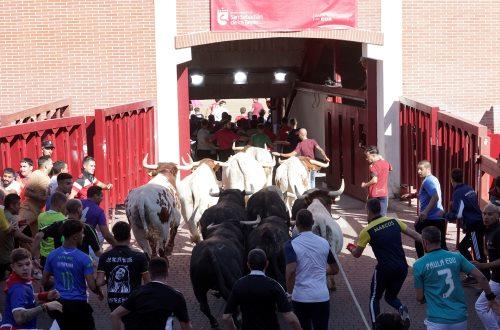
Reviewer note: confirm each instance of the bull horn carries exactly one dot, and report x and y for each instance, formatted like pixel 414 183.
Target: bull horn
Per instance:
pixel 191 161
pixel 214 194
pixel 235 148
pixel 148 166
pixel 281 161
pixel 184 167
pixel 289 194
pixel 221 164
pixel 212 226
pixel 252 223
pixel 252 190
pixel 318 163
pixel 193 215
pixel 339 192
pixel 265 146
pixel 184 162
pixel 297 193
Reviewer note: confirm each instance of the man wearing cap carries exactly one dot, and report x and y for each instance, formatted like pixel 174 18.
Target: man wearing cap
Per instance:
pixel 47 148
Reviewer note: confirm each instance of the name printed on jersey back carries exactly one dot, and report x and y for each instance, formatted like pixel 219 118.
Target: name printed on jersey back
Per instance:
pixel 440 263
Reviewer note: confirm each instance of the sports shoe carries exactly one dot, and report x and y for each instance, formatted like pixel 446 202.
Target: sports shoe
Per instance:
pixel 403 311
pixel 469 281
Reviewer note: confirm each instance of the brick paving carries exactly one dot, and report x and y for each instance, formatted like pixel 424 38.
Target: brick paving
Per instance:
pixel 343 312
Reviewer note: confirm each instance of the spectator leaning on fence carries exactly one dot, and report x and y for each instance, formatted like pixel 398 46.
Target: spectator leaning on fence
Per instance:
pixel 431 209
pixel 86 180
pixel 465 210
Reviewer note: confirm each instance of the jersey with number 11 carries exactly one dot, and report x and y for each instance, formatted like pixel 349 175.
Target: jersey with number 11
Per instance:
pixel 438 274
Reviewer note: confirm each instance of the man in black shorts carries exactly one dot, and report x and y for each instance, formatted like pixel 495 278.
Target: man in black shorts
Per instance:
pixel 259 297
pixel 154 305
pixel 121 267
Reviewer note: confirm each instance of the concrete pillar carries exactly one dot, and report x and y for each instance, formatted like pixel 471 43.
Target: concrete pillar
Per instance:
pixel 167 59
pixel 389 85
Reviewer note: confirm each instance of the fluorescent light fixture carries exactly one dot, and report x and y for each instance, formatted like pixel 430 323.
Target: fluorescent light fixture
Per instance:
pixel 197 79
pixel 280 76
pixel 240 77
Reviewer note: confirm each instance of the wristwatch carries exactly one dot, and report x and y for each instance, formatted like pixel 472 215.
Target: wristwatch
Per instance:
pixel 490 296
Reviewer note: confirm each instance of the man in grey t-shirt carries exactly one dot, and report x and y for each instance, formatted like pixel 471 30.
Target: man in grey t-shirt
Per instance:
pixel 204 148
pixel 308 261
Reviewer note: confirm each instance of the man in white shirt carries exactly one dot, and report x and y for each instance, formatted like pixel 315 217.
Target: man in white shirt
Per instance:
pixel 9 183
pixel 308 260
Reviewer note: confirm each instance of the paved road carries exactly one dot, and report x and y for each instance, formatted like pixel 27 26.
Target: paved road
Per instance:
pixel 343 312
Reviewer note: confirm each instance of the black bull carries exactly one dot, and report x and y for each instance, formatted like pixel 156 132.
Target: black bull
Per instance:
pixel 271 235
pixel 218 261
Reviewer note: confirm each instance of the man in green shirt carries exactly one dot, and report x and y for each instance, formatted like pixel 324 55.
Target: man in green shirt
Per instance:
pixel 56 213
pixel 260 139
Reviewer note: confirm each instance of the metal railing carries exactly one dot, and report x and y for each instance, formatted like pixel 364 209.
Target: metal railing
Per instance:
pixel 54 110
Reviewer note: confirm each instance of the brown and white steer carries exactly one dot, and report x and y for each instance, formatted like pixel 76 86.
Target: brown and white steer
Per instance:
pixel 154 210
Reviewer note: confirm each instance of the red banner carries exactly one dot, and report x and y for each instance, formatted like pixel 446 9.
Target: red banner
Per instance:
pixel 282 15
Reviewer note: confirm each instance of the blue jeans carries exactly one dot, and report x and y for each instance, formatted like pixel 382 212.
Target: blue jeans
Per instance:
pixel 384 201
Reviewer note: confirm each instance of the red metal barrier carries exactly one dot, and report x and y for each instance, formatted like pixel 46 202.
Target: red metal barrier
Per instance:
pixel 123 135
pixel 445 140
pixel 57 109
pixel 24 140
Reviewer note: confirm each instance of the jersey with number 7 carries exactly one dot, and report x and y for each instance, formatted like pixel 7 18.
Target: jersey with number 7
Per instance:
pixel 438 274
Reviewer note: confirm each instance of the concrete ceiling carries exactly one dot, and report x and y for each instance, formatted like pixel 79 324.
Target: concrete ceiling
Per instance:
pixel 259 58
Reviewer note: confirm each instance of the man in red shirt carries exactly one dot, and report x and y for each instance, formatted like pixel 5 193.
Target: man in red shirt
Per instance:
pixel 256 107
pixel 224 139
pixel 306 148
pixel 243 114
pixel 87 180
pixel 379 172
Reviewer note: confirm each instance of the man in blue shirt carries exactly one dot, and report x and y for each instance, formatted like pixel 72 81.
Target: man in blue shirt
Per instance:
pixel 384 235
pixel 21 310
pixel 72 270
pixel 437 283
pixel 431 209
pixel 465 210
pixel 94 215
pixel 308 260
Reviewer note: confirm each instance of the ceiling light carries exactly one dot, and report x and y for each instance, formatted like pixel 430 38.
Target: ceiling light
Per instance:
pixel 280 76
pixel 197 79
pixel 240 77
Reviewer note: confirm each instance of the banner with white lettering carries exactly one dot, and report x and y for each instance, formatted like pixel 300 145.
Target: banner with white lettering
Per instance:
pixel 282 15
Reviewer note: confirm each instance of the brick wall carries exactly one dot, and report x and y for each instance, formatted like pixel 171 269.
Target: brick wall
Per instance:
pixel 451 55
pixel 100 53
pixel 194 15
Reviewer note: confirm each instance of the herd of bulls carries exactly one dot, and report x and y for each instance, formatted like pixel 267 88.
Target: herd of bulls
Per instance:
pixel 229 218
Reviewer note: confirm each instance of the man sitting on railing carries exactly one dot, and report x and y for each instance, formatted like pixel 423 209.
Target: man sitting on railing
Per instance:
pixel 86 180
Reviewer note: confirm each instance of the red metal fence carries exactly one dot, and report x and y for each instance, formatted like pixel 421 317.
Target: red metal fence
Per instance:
pixel 57 109
pixel 24 140
pixel 446 141
pixel 123 135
